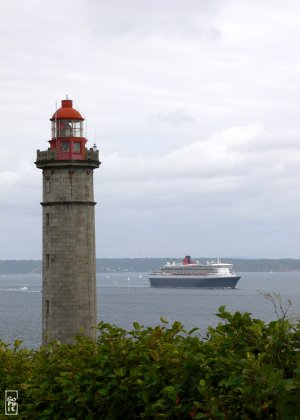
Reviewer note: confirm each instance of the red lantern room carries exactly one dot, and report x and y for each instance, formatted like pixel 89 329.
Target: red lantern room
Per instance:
pixel 67 133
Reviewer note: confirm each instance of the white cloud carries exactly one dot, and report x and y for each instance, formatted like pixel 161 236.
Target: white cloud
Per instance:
pixel 221 180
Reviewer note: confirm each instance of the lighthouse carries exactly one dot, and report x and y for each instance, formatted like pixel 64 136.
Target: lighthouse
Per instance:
pixel 69 256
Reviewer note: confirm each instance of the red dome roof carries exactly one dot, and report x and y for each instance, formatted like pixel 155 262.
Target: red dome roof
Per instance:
pixel 67 111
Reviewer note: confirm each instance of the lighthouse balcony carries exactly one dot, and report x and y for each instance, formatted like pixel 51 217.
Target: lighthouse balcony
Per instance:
pixel 49 154
pixel 91 154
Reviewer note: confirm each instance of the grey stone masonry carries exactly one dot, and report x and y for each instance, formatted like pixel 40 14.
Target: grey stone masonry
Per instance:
pixel 69 255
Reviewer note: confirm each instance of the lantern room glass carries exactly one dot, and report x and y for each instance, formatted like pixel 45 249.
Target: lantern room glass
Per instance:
pixel 67 128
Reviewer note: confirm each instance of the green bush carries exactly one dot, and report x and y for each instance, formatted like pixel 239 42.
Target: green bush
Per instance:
pixel 244 369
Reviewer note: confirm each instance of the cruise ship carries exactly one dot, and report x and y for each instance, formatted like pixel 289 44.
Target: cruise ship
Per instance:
pixel 212 274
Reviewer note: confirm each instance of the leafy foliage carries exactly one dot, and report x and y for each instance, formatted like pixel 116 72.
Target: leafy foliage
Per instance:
pixel 244 369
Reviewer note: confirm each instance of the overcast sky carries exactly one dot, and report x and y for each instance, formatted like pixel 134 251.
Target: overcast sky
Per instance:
pixel 194 106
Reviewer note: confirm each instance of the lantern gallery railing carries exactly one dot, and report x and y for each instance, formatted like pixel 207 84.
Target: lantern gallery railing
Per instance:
pixel 51 154
pixel 46 155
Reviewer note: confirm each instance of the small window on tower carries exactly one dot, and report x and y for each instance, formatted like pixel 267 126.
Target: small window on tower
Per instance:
pixel 47 185
pixel 64 146
pixel 76 147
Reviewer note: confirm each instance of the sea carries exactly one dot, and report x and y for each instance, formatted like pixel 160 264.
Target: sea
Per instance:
pixel 123 298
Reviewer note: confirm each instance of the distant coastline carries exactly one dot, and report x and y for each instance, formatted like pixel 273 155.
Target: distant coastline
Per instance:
pixel 106 265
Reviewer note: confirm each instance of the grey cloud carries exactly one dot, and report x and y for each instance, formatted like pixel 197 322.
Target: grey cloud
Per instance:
pixel 174 91
pixel 176 116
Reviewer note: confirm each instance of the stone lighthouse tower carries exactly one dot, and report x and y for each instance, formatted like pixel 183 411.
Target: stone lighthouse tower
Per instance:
pixel 69 262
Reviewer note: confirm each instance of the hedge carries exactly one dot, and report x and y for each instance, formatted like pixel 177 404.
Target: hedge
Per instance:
pixel 244 368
